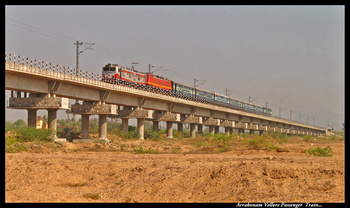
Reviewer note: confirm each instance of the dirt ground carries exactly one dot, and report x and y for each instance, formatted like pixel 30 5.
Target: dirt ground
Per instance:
pixel 176 172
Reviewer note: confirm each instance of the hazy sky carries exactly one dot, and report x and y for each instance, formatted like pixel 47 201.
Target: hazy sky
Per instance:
pixel 289 56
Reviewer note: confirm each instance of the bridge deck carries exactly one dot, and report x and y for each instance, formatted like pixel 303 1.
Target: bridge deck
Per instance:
pixel 26 78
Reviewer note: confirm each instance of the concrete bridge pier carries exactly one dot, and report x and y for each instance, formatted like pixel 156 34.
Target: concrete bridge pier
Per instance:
pixel 241 131
pixel 92 108
pixel 155 126
pixel 228 131
pixel 193 121
pixel 200 128
pixel 193 130
pixel 133 112
pixel 170 119
pixel 141 128
pixel 37 101
pixel 169 129
pixel 85 126
pixel 52 120
pixel 180 127
pixel 213 124
pixel 211 130
pixel 216 129
pixel 125 125
pixel 102 122
pixel 32 117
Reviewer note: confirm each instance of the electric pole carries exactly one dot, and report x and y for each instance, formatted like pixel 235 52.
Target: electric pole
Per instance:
pixel 251 99
pixel 229 92
pixel 279 112
pixel 159 69
pixel 77 57
pixel 79 52
pixel 195 82
pixel 133 64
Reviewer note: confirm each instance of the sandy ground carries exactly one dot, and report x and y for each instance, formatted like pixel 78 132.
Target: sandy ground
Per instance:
pixel 90 173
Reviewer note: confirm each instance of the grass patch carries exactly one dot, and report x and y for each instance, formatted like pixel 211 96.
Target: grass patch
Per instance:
pixel 76 184
pixel 141 150
pixel 176 150
pixel 94 196
pixel 203 150
pixel 321 152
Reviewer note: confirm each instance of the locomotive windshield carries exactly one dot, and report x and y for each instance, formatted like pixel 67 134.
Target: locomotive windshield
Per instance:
pixel 109 69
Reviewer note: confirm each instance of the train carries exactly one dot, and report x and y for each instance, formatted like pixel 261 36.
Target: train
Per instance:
pixel 116 74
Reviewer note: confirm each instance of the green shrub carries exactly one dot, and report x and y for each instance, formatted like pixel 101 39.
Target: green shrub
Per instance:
pixel 207 135
pixel 321 152
pixel 64 131
pixel 308 138
pixel 128 135
pixel 185 133
pixel 222 140
pixel 12 145
pixel 260 143
pixel 112 126
pixel 29 134
pixel 256 143
pixel 152 134
pixel 177 134
pixel 8 126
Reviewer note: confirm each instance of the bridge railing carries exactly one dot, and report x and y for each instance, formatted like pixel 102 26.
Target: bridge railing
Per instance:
pixel 295 121
pixel 33 64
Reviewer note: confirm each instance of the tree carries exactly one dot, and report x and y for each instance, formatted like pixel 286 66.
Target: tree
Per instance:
pixel 8 126
pixel 44 118
pixel 19 123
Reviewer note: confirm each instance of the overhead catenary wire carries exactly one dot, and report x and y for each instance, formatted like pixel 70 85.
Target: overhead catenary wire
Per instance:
pixel 61 37
pixel 40 32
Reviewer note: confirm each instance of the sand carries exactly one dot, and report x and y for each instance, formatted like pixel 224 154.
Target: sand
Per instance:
pixel 97 173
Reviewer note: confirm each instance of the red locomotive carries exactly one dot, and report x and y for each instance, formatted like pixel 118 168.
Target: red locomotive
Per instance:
pixel 114 73
pixel 159 82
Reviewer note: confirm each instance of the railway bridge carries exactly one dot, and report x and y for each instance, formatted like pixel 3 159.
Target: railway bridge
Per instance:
pixel 39 85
